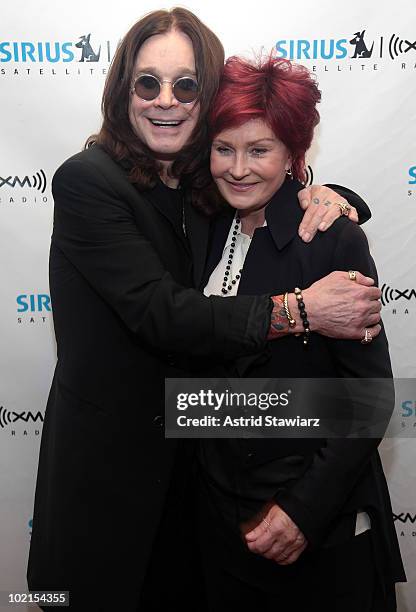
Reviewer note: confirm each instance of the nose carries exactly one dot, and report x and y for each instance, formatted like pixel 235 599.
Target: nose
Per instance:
pixel 239 169
pixel 166 99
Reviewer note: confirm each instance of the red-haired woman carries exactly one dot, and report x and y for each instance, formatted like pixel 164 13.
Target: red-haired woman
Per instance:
pixel 324 537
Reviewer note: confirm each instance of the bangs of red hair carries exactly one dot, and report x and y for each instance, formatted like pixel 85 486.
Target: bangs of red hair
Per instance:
pixel 282 94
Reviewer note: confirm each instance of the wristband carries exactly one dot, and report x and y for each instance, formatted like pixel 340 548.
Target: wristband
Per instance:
pixel 303 315
pixel 292 322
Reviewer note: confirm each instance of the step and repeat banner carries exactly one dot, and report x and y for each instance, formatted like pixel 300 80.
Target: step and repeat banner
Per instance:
pixel 54 58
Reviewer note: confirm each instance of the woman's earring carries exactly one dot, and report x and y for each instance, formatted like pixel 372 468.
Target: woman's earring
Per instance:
pixel 289 172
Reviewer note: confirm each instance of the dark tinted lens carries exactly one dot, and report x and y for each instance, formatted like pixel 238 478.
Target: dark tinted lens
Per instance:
pixel 147 87
pixel 185 90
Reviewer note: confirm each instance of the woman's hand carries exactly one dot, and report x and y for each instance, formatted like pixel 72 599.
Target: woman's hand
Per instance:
pixel 340 308
pixel 322 209
pixel 277 537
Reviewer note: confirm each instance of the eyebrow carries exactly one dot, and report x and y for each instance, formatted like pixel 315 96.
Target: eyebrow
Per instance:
pixel 250 144
pixel 181 70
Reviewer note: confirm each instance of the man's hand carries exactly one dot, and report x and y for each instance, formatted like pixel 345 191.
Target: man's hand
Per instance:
pixel 277 537
pixel 340 308
pixel 322 210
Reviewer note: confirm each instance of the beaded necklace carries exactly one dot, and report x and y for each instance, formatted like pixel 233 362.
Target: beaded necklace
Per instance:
pixel 228 282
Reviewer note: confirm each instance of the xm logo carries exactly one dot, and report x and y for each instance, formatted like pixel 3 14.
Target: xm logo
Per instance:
pixel 405 517
pixel 8 417
pixel 309 176
pixel 35 181
pixel 392 295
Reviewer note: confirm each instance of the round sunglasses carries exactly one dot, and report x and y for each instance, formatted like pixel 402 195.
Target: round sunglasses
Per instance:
pixel 147 87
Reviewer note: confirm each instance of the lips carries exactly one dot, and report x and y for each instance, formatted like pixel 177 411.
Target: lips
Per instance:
pixel 165 123
pixel 241 187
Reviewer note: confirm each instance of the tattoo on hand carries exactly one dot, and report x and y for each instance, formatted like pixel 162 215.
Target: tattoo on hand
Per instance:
pixel 278 322
pixel 316 201
pixel 327 203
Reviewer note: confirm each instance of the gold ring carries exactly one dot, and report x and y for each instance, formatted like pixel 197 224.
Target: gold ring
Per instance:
pixel 352 274
pixel 367 337
pixel 345 208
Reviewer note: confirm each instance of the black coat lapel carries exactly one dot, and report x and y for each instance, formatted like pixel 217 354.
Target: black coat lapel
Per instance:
pixel 284 214
pixel 264 271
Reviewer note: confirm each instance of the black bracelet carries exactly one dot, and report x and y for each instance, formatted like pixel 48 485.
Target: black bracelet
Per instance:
pixel 303 315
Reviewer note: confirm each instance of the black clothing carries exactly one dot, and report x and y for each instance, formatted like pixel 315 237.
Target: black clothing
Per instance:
pixel 125 318
pixel 320 484
pixel 339 578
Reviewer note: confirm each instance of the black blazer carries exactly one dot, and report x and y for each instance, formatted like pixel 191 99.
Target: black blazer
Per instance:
pixel 338 476
pixel 125 318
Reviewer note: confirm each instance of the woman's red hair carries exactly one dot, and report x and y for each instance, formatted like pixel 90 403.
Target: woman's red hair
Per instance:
pixel 282 94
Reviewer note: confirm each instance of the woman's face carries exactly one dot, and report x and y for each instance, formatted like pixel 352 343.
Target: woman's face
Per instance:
pixel 164 124
pixel 249 164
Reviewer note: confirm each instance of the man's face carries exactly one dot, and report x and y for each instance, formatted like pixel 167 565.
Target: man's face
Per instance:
pixel 164 124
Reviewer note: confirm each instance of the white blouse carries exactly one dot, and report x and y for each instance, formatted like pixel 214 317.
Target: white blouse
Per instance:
pixel 242 245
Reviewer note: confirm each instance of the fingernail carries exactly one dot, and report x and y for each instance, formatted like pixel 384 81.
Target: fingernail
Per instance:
pixel 306 237
pixel 322 226
pixel 301 232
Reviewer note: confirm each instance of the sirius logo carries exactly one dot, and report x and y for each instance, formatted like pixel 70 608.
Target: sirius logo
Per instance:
pixel 358 45
pixel 35 181
pixel 35 302
pixel 412 175
pixel 27 51
pixel 36 52
pixel 312 49
pixel 408 408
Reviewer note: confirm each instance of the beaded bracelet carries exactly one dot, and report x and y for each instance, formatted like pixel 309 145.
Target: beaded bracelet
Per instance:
pixel 292 322
pixel 303 315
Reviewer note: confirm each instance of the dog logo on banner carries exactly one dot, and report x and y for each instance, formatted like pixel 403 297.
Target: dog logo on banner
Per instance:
pixel 88 54
pixel 361 49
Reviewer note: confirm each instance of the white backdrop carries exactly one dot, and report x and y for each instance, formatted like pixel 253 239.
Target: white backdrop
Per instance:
pixel 50 104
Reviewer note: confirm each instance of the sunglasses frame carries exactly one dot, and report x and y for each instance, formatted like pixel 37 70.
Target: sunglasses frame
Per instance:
pixel 173 83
